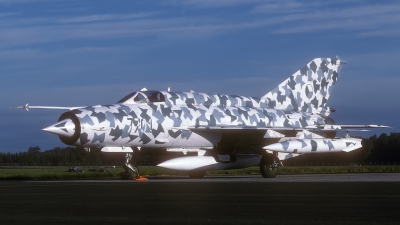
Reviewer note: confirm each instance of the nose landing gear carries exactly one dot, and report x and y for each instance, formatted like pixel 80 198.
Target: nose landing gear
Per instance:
pixel 131 172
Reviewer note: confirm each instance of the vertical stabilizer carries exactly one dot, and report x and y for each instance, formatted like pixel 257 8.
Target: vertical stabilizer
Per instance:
pixel 308 89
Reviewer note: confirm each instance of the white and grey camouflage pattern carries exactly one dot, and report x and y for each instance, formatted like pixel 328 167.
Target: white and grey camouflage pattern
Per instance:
pixel 175 119
pixel 307 90
pixel 296 108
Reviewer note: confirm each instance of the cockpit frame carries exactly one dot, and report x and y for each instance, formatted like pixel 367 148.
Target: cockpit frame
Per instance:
pixel 141 97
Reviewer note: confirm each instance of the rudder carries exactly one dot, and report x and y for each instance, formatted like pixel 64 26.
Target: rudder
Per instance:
pixel 308 89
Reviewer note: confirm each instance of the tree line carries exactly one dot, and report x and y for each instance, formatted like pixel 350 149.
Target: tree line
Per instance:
pixel 59 156
pixel 384 149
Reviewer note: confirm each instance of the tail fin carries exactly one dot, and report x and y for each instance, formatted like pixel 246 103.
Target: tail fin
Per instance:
pixel 308 89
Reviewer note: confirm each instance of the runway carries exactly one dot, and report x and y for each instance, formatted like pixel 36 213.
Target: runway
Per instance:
pixel 287 199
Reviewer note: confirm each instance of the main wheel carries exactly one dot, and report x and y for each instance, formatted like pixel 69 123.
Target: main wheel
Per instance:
pixel 268 167
pixel 196 173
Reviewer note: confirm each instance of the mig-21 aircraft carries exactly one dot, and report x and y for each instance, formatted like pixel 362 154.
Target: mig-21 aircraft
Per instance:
pixel 215 131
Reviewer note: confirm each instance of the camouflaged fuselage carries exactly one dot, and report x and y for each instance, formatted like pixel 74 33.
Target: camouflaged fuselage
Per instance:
pixel 225 131
pixel 199 120
pixel 181 120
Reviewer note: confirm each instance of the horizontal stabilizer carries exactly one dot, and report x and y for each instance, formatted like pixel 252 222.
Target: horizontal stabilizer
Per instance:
pixel 344 127
pixel 363 126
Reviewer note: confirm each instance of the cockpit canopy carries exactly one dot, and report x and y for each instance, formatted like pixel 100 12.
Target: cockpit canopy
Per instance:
pixel 143 97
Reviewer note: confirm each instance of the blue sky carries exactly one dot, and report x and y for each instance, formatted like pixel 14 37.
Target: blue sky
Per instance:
pixel 75 53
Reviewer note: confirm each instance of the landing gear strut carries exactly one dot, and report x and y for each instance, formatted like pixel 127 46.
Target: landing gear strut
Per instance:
pixel 131 172
pixel 269 166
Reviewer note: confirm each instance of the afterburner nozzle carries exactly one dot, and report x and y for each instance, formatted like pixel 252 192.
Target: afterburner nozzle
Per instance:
pixel 64 128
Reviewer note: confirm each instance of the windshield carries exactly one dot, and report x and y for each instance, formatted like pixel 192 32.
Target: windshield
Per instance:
pixel 143 97
pixel 140 98
pixel 154 96
pixel 126 98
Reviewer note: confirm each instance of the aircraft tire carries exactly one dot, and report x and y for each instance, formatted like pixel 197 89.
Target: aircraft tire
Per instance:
pixel 268 168
pixel 196 174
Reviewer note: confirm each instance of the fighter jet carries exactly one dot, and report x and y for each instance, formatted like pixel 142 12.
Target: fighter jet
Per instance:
pixel 215 131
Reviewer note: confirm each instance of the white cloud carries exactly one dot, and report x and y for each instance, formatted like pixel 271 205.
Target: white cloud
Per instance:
pixel 356 19
pixel 9 14
pixel 105 17
pixel 285 7
pixel 292 17
pixel 19 54
pixel 211 3
pixel 386 32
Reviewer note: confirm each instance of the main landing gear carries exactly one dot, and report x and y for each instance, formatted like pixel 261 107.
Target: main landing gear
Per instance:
pixel 269 166
pixel 131 172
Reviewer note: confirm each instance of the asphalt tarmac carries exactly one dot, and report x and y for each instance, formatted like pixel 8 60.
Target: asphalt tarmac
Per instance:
pixel 287 199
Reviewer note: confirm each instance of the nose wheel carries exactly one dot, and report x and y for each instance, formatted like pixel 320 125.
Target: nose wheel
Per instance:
pixel 131 172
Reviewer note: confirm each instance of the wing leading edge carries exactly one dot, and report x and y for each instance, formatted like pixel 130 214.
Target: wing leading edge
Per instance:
pixel 309 128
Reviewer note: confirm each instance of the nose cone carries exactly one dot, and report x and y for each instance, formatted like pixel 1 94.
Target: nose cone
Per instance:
pixel 65 128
